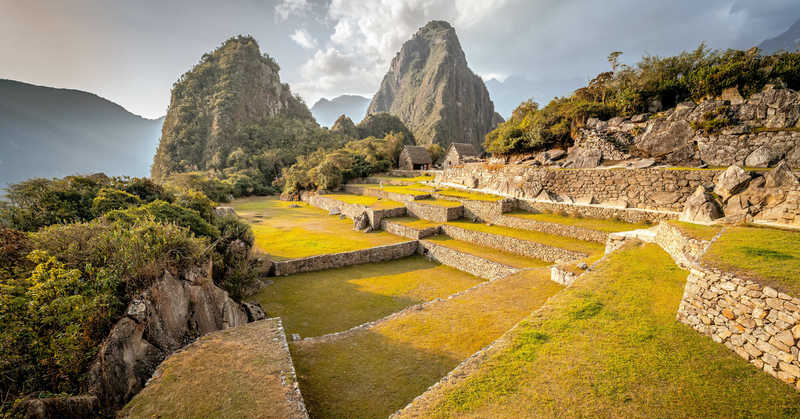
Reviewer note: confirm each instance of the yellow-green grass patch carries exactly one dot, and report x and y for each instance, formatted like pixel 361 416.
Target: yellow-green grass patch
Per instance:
pixel 590 248
pixel 415 179
pixel 237 373
pixel 416 223
pixel 609 346
pixel 369 201
pixel 768 255
pixel 439 203
pixel 696 231
pixel 371 373
pixel 599 224
pixel 473 196
pixel 505 258
pixel 285 233
pixel 317 303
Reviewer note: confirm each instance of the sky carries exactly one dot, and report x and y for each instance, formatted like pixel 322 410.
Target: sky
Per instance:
pixel 131 52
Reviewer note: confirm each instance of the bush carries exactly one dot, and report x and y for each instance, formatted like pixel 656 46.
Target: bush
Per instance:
pixel 109 199
pixel 198 201
pixel 233 270
pixel 166 213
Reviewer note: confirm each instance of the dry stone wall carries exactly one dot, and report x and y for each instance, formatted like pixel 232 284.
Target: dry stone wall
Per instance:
pixel 485 211
pixel 513 245
pixel 412 233
pixel 466 262
pixel 630 215
pixel 652 188
pixel 339 260
pixel 579 233
pixel 436 213
pixel 685 250
pixel 352 211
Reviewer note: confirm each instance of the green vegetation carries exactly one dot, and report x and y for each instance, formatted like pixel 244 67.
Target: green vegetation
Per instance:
pixel 373 372
pixel 412 190
pixel 600 224
pixel 241 368
pixel 609 346
pixel 91 243
pixel 505 258
pixel 472 196
pixel 766 255
pixel 590 248
pixel 232 123
pixel 369 201
pixel 626 91
pixel 381 124
pixel 408 180
pixel 329 169
pixel 696 231
pixel 289 233
pixel 713 121
pixel 317 303
pixel 416 223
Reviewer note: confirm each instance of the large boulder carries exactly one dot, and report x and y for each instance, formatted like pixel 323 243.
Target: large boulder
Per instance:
pixel 664 136
pixel 780 176
pixel 732 181
pixel 165 317
pixel 361 222
pixel 763 156
pixel 701 207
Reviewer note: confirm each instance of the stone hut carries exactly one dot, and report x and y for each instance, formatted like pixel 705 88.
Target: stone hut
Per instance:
pixel 414 157
pixel 458 153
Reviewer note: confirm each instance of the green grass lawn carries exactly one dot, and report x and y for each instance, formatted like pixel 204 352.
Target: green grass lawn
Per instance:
pixel 609 346
pixel 415 223
pixel 474 196
pixel 371 373
pixel 767 255
pixel 289 233
pixel 409 180
pixel 405 190
pixel 317 303
pixel 439 203
pixel 696 231
pixel 568 243
pixel 609 226
pixel 233 373
pixel 506 258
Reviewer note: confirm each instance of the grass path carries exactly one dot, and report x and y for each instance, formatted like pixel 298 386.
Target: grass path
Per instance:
pixel 609 346
pixel 373 372
pixel 285 233
pixel 317 303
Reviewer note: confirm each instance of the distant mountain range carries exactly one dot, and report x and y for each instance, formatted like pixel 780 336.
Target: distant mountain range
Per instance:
pixel 787 41
pixel 48 132
pixel 327 111
pixel 509 93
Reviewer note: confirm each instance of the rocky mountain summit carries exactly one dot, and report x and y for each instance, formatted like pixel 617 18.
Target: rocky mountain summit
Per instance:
pixel 432 90
pixel 231 88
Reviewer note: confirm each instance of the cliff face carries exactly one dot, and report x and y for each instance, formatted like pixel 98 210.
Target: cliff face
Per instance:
pixel 230 88
pixel 432 90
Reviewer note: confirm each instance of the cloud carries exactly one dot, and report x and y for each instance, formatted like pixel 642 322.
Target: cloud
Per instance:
pixel 304 39
pixel 287 8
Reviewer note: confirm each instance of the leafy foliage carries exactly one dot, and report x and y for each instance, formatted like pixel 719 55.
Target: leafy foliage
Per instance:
pixel 627 91
pixel 379 124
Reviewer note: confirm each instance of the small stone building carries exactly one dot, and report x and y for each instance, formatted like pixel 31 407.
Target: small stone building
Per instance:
pixel 414 157
pixel 458 153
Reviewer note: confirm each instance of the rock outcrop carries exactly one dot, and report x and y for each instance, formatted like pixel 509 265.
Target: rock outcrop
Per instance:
pixel 170 314
pixel 229 89
pixel 430 87
pixel 701 207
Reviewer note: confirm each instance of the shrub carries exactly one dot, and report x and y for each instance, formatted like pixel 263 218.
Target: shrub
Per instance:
pixel 109 199
pixel 198 201
pixel 166 213
pixel 233 270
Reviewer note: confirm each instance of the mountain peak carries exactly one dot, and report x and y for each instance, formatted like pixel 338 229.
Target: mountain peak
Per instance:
pixel 432 90
pixel 788 41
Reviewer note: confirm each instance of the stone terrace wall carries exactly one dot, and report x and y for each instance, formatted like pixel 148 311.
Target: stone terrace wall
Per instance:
pixel 466 262
pixel 353 210
pixel 513 245
pixel 339 260
pixel 630 215
pixel 579 233
pixel 485 211
pixel 654 188
pixel 402 230
pixel 757 322
pixel 434 213
pixel 391 196
pixel 685 250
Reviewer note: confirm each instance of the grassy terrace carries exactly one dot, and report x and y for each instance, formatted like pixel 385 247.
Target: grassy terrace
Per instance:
pixel 474 196
pixel 289 233
pixel 369 201
pixel 590 248
pixel 416 223
pixel 406 190
pixel 696 231
pixel 408 180
pixel 609 346
pixel 439 202
pixel 317 303
pixel 232 373
pixel 506 258
pixel 609 226
pixel 371 373
pixel 768 255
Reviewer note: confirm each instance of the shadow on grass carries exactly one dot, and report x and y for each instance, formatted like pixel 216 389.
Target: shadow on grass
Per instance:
pixel 365 376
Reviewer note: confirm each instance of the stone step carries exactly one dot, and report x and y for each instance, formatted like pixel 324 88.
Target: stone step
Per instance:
pixel 543 246
pixel 437 210
pixel 410 227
